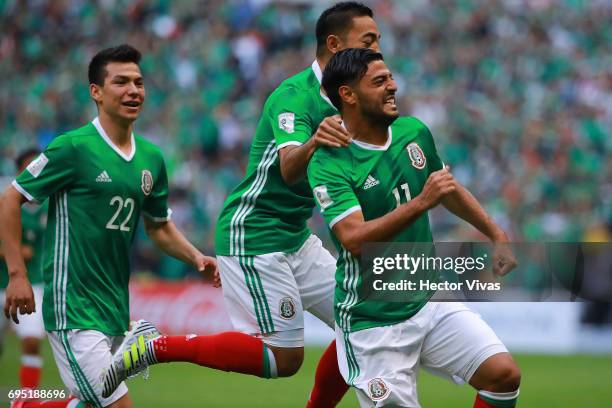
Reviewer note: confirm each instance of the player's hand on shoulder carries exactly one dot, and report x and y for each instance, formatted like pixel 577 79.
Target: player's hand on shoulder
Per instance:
pixel 208 265
pixel 19 298
pixel 439 183
pixel 331 133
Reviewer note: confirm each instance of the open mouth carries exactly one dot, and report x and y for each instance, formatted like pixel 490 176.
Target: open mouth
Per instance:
pixel 390 101
pixel 131 104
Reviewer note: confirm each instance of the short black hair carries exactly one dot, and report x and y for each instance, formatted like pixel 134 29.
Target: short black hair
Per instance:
pixel 23 156
pixel 122 53
pixel 344 68
pixel 337 20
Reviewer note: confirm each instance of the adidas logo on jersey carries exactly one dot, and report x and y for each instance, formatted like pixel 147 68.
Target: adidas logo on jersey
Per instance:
pixel 370 182
pixel 104 178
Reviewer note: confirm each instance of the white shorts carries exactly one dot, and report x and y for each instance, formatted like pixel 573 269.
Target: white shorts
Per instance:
pixel 265 295
pixel 82 357
pixel 30 325
pixel 447 339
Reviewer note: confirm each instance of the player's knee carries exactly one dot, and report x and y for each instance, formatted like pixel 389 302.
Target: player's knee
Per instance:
pixel 288 360
pixel 30 346
pixel 499 373
pixel 507 377
pixel 512 379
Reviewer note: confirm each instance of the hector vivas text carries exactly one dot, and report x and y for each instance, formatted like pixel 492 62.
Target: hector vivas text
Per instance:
pixel 417 266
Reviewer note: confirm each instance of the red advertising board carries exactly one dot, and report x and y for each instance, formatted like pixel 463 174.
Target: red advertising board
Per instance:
pixel 183 307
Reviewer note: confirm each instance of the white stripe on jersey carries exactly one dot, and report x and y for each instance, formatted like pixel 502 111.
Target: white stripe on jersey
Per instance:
pixel 248 199
pixel 66 254
pixel 350 283
pixel 60 259
pixel 55 261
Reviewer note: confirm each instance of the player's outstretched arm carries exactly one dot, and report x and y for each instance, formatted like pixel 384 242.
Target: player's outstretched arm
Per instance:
pixel 19 295
pixel 172 241
pixel 464 205
pixel 353 231
pixel 294 159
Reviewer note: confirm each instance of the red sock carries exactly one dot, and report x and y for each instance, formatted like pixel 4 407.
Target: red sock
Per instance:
pixel 329 387
pixel 29 377
pixel 229 351
pixel 480 403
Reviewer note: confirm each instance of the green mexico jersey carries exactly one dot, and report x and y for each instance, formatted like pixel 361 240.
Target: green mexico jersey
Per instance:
pixel 263 214
pixel 374 180
pixel 96 195
pixel 33 222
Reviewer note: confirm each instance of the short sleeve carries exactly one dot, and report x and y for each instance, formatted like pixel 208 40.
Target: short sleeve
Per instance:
pixel 431 153
pixel 289 117
pixel 52 171
pixel 332 190
pixel 156 203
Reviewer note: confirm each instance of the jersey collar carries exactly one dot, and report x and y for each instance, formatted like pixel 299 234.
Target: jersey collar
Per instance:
pixel 369 146
pixel 317 71
pixel 319 74
pixel 104 135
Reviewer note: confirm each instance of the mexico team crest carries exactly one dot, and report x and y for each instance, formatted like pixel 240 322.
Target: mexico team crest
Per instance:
pixel 287 308
pixel 417 157
pixel 147 182
pixel 378 389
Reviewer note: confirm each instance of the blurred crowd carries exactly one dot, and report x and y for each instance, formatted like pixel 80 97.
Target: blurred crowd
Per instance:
pixel 517 93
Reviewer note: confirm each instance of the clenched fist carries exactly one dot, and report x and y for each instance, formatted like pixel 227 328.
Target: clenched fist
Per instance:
pixel 439 184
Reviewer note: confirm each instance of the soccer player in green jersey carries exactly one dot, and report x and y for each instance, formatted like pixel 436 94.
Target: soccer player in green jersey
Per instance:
pixel 99 179
pixel 379 189
pixel 272 267
pixel 31 329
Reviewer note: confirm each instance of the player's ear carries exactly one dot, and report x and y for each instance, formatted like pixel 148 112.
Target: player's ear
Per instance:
pixel 95 91
pixel 333 43
pixel 347 95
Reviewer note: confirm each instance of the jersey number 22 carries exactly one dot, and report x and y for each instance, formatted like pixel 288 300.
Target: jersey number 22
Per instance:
pixel 121 204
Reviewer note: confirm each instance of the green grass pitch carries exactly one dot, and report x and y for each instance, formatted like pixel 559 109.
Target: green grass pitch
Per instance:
pixel 548 381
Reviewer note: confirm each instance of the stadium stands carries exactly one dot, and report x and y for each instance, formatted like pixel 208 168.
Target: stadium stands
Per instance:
pixel 518 94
